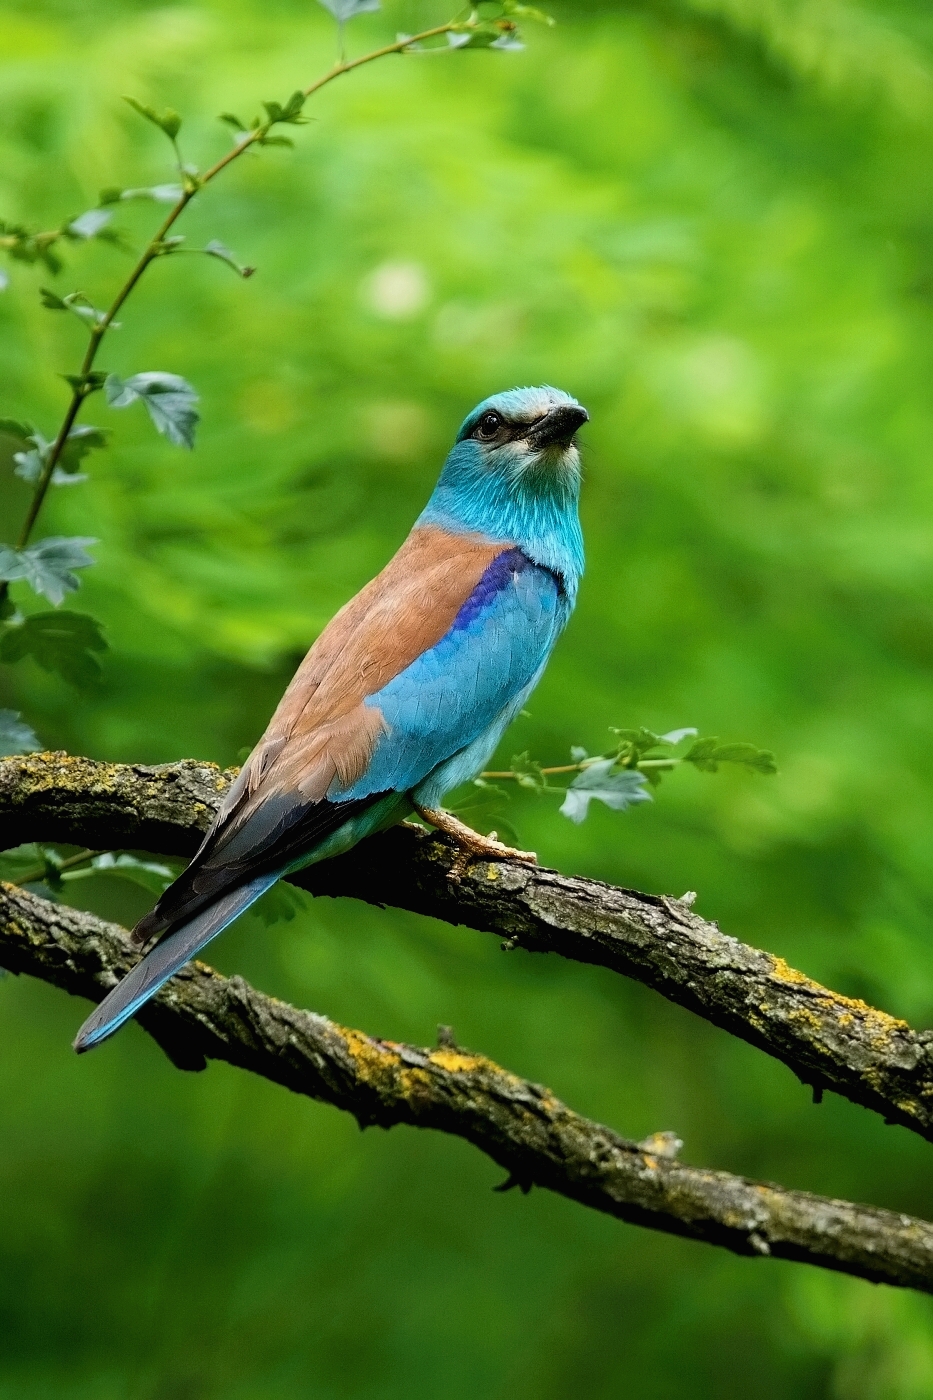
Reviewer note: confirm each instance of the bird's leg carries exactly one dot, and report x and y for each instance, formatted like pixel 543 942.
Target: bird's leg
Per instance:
pixel 469 842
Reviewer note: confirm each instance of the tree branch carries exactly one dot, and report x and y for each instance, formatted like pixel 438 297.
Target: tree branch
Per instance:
pixel 828 1040
pixel 535 1138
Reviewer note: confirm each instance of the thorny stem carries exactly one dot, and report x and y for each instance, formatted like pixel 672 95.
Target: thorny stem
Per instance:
pixel 82 387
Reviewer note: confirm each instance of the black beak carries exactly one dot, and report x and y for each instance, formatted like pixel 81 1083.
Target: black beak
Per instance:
pixel 558 426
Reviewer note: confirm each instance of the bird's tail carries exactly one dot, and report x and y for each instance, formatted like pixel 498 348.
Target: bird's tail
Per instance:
pixel 164 960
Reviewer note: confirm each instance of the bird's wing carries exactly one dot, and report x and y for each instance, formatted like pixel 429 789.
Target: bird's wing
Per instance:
pixel 456 691
pixel 292 792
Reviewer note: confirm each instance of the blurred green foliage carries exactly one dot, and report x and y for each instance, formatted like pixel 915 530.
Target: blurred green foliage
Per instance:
pixel 712 220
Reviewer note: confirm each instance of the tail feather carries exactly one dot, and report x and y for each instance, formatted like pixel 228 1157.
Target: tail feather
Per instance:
pixel 164 960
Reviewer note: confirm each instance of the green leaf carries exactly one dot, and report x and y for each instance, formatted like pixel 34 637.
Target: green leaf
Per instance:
pixel 162 194
pixel 77 303
pixel 291 112
pixel 90 224
pixel 48 566
pixel 527 772
pixel 633 744
pixel 216 249
pixel 707 754
pixel 282 902
pixel 20 860
pixel 152 875
pixel 169 400
pixel 86 383
pixel 511 7
pixel 618 789
pixel 81 440
pixel 10 427
pixel 342 10
pixel 61 642
pixel 168 121
pixel 15 735
pixel 487 34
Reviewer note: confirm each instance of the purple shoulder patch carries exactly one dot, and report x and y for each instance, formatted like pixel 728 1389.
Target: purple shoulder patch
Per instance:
pixel 496 577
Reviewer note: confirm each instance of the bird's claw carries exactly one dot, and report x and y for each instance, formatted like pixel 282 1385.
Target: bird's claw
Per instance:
pixel 471 845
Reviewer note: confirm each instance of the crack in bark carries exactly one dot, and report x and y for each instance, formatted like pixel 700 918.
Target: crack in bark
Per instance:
pixel 523 1127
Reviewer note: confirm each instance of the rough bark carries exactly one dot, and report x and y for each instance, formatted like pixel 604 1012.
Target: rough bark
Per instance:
pixel 523 1127
pixel 828 1040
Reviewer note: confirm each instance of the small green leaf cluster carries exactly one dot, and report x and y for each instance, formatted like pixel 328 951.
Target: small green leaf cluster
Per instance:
pixel 259 132
pixel 497 30
pixel 28 246
pixel 528 773
pixel 621 777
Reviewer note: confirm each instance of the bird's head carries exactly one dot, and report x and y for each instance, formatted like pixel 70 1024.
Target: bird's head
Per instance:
pixel 514 474
pixel 526 438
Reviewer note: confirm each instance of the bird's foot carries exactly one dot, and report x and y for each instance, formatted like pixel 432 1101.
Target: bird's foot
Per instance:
pixel 471 845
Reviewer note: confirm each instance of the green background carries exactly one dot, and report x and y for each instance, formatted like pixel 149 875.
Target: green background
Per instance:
pixel 712 220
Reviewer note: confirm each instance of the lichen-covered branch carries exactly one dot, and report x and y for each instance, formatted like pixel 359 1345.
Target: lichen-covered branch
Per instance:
pixel 828 1040
pixel 534 1137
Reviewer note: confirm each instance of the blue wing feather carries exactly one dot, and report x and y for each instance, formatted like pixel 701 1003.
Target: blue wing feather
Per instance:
pixel 471 682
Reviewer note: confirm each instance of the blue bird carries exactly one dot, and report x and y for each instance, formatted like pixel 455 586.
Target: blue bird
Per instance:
pixel 407 691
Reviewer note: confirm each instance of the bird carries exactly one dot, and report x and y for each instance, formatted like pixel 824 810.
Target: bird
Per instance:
pixel 407 691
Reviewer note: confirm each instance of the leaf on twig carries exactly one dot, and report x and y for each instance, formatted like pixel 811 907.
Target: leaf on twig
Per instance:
pixel 162 194
pixel 216 249
pixel 77 303
pixel 15 735
pixel 527 772
pixel 168 121
pixel 10 427
pixel 89 224
pixel 342 10
pixel 290 113
pixel 153 876
pixel 169 399
pixel 85 384
pixel 707 754
pixel 487 34
pixel 80 441
pixel 47 566
pixel 61 642
pixel 511 7
pixel 618 790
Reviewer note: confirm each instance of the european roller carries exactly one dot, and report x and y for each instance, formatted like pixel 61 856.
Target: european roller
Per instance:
pixel 407 691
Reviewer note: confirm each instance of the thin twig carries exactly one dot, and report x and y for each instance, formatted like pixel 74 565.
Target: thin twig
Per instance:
pixel 83 387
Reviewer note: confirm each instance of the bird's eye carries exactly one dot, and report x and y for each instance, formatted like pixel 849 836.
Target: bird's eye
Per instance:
pixel 488 425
